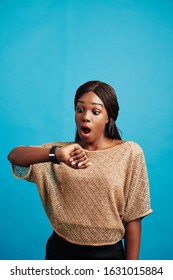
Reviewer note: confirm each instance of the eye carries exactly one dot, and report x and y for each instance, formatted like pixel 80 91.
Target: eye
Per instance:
pixel 79 110
pixel 96 112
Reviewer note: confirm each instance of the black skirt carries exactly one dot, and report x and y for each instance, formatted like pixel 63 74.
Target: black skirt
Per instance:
pixel 59 249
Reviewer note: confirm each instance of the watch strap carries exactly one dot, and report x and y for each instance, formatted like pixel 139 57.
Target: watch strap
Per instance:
pixel 52 155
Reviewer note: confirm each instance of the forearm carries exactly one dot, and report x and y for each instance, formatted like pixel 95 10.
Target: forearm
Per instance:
pixel 26 155
pixel 72 155
pixel 132 239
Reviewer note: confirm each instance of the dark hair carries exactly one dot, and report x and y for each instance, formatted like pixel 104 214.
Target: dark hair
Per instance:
pixel 108 96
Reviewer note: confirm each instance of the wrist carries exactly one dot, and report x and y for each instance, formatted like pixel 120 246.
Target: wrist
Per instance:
pixel 53 157
pixel 58 154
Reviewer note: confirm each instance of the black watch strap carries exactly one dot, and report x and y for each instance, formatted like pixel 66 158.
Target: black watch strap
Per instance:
pixel 52 155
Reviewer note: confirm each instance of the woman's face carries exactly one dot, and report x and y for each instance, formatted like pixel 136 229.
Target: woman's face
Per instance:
pixel 91 117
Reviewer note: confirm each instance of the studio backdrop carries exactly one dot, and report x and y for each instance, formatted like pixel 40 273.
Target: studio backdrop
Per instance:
pixel 50 47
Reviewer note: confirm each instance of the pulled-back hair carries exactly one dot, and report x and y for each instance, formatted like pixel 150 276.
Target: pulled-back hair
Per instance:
pixel 108 96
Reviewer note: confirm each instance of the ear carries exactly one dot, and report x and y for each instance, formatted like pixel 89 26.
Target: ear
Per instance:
pixel 107 120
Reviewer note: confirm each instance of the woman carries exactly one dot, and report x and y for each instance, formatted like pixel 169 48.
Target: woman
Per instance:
pixel 94 191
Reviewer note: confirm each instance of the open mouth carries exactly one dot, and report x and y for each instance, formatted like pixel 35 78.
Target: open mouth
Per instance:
pixel 86 130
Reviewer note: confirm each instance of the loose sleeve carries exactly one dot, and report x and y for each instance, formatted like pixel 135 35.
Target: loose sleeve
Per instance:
pixel 28 173
pixel 22 172
pixel 137 194
pixel 35 173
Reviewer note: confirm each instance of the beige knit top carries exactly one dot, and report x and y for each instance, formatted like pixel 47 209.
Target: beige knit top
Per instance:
pixel 91 206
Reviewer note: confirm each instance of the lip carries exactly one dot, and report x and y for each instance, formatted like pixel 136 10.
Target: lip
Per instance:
pixel 84 134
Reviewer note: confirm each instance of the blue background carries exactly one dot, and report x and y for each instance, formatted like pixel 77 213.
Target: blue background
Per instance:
pixel 47 49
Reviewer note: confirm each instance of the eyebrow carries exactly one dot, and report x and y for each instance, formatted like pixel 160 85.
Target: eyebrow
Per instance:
pixel 94 103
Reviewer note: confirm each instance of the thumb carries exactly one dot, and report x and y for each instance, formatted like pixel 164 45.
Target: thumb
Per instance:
pixel 76 146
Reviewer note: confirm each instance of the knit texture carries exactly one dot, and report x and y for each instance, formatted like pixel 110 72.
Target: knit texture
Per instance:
pixel 91 206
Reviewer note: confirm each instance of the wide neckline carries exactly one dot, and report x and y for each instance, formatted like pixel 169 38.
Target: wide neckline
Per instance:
pixel 116 147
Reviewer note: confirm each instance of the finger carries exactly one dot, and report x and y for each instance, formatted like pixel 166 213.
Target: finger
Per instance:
pixel 77 152
pixel 82 161
pixel 80 157
pixel 76 148
pixel 79 161
pixel 81 166
pixel 84 164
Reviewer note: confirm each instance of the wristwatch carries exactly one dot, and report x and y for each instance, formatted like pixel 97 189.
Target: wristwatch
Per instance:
pixel 52 155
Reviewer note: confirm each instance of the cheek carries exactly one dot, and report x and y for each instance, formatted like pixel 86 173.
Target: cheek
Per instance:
pixel 101 124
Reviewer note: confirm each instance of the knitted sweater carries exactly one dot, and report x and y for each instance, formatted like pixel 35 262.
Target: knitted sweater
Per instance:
pixel 91 206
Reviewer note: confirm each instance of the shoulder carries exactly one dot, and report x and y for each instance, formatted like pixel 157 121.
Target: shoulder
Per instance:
pixel 134 147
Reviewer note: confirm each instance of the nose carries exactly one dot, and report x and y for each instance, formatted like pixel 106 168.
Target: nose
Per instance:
pixel 86 117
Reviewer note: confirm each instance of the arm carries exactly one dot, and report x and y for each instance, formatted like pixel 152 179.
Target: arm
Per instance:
pixel 132 239
pixel 72 155
pixel 24 156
